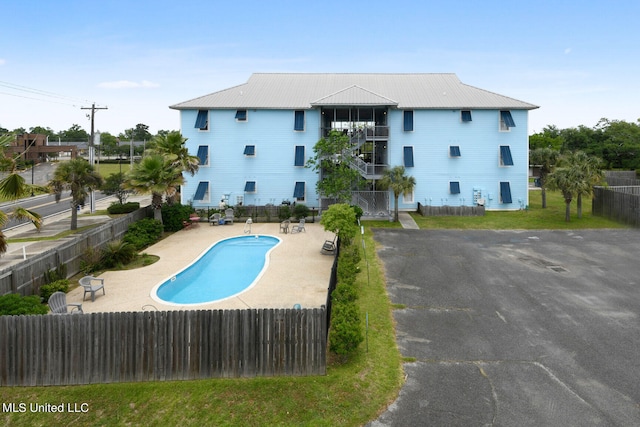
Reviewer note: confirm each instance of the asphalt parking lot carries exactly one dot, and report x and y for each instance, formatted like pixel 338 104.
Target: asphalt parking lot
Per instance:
pixel 515 328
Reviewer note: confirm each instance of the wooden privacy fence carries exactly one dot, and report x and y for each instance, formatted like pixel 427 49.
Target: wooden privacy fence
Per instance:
pixel 621 178
pixel 427 210
pixel 27 276
pixel 161 346
pixel 617 203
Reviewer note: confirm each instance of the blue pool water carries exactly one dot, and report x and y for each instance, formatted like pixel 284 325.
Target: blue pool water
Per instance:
pixel 227 268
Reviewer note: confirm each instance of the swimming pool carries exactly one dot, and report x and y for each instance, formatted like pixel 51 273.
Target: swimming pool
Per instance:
pixel 226 269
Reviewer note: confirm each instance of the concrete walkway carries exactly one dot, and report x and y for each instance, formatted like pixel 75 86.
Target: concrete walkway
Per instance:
pixel 407 221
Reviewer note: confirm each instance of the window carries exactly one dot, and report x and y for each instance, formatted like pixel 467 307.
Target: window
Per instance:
pixel 465 115
pixel 506 121
pixel 298 121
pixel 299 157
pixel 202 121
pixel 241 115
pixel 298 192
pixel 250 187
pixel 203 155
pixel 202 192
pixel 454 151
pixel 505 192
pixel 407 197
pixel 505 156
pixel 408 157
pixel 249 150
pixel 408 121
pixel 454 187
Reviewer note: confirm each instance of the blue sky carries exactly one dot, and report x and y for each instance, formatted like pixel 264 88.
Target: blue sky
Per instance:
pixel 579 61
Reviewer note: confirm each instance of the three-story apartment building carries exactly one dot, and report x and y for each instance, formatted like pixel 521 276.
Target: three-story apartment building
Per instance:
pixel 464 146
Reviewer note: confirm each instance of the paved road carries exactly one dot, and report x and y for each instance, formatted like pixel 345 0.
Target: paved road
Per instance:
pixel 45 205
pixel 515 328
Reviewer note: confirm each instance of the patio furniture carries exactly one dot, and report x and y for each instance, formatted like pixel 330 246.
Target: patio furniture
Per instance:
pixel 214 219
pixel 194 219
pixel 228 216
pixel 298 228
pixel 284 226
pixel 91 285
pixel 58 304
pixel 329 247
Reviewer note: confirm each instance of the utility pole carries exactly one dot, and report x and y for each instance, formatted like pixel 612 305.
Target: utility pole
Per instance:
pixel 92 147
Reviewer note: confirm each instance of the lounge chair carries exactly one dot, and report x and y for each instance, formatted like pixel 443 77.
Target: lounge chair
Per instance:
pixel 214 219
pixel 228 216
pixel 89 287
pixel 58 304
pixel 329 246
pixel 284 226
pixel 298 228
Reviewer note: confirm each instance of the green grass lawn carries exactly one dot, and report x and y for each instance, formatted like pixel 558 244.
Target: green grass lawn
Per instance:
pixel 351 394
pixel 552 217
pixel 106 169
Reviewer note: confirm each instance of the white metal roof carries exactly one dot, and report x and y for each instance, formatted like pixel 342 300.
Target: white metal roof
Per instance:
pixel 307 90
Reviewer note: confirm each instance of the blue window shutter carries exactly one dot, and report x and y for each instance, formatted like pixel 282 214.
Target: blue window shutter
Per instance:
pixel 507 119
pixel 202 119
pixel 466 115
pixel 250 186
pixel 298 192
pixel 201 191
pixel 298 123
pixel 454 187
pixel 505 192
pixel 408 121
pixel 203 154
pixel 299 159
pixel 241 115
pixel 249 150
pixel 408 157
pixel 454 151
pixel 505 155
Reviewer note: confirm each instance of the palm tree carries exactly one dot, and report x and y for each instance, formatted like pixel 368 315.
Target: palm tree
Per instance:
pixel 14 187
pixel 589 173
pixel 79 177
pixel 172 146
pixel 395 180
pixel 565 180
pixel 546 158
pixel 157 175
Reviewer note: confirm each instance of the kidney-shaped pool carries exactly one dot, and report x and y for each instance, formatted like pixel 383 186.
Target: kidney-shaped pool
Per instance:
pixel 228 268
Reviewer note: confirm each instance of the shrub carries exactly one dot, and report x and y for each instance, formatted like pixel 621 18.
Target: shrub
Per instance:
pixel 59 273
pixel 345 333
pixel 344 293
pixel 90 260
pixel 173 216
pixel 49 289
pixel 143 233
pixel 14 304
pixel 341 220
pixel 300 211
pixel 117 208
pixel 117 252
pixel 284 212
pixel 358 211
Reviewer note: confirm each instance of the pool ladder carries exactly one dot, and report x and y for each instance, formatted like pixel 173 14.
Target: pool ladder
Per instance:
pixel 247 226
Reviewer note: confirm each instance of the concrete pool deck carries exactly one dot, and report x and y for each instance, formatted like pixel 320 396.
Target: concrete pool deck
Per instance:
pixel 297 272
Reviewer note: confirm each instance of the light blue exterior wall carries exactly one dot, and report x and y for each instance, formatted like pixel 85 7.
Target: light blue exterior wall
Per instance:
pixel 477 168
pixel 272 168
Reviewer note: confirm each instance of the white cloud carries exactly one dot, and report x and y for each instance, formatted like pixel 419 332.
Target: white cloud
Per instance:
pixel 567 51
pixel 127 84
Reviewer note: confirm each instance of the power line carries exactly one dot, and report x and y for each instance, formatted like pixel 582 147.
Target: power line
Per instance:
pixel 39 99
pixel 39 92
